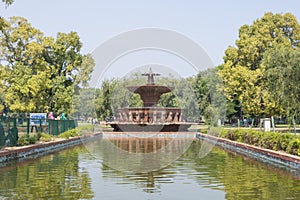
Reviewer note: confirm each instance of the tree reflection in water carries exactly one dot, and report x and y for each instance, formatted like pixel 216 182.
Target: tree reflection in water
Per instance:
pixel 74 174
pixel 239 177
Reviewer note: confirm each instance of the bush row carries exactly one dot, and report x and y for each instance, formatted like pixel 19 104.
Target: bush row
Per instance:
pixel 32 139
pixel 286 142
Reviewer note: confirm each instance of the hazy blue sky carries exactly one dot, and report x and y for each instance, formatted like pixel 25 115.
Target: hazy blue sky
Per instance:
pixel 212 24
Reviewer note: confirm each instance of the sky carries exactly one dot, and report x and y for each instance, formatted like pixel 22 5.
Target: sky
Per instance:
pixel 212 24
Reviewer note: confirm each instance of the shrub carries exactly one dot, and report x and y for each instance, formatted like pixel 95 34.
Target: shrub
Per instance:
pixel 253 137
pixel 284 141
pixel 204 131
pixel 44 137
pixel 70 133
pixel 269 140
pixel 76 131
pixel 294 147
pixel 27 139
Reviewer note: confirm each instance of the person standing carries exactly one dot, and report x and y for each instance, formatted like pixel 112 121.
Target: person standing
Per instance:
pixel 63 117
pixel 50 116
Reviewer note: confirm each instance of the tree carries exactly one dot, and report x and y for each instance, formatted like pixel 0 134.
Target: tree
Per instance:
pixel 243 73
pixel 40 72
pixel 211 102
pixel 7 2
pixel 283 78
pixel 2 85
pixel 103 99
pixel 84 103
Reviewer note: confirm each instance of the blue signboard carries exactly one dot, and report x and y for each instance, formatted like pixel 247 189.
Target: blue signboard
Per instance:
pixel 35 119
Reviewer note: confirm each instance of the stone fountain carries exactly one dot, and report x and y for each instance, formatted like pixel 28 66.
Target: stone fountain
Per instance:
pixel 150 117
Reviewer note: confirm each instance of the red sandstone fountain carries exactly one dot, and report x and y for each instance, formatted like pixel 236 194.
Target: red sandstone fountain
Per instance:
pixel 150 118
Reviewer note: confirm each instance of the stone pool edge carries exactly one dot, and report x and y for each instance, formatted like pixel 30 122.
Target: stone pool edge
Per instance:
pixel 9 154
pixel 262 154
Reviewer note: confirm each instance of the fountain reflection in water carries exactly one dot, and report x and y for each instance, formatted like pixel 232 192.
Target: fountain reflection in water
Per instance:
pixel 74 174
pixel 125 152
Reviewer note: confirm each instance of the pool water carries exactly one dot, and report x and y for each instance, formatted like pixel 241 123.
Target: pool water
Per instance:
pixel 75 173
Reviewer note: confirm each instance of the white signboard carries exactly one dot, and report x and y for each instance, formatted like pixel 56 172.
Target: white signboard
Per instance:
pixel 35 119
pixel 267 124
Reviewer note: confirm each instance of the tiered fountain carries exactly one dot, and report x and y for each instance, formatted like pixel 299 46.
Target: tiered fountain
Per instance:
pixel 150 118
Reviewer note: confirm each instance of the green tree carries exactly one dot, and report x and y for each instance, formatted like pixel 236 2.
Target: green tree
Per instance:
pixel 243 73
pixel 84 103
pixel 103 99
pixel 210 100
pixel 40 72
pixel 2 85
pixel 85 71
pixel 283 78
pixel 168 100
pixel 7 2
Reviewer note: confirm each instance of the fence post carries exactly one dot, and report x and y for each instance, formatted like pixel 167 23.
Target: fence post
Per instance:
pixel 56 127
pixel 294 123
pixel 14 132
pixel 2 135
pixel 49 121
pixel 40 128
pixel 28 125
pixel 273 124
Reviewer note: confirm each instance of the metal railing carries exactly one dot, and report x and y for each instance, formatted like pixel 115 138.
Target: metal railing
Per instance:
pixel 8 132
pixel 10 128
pixel 55 127
pixel 51 126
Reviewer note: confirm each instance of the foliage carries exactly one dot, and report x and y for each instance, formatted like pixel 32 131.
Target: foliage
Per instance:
pixel 283 78
pixel 270 140
pixel 84 102
pixel 45 137
pixel 27 139
pixel 294 146
pixel 113 95
pixel 8 2
pixel 2 74
pixel 70 133
pixel 210 99
pixel 185 98
pixel 103 101
pixel 201 89
pixel 39 73
pixel 243 72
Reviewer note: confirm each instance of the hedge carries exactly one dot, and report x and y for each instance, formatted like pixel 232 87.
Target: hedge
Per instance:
pixel 286 142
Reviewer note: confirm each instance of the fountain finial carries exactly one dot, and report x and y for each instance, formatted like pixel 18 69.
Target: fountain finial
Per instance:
pixel 150 75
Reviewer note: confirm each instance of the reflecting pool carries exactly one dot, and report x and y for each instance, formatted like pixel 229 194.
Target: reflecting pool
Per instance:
pixel 76 174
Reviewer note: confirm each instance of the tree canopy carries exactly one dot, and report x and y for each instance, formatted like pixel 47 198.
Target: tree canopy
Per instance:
pixel 39 73
pixel 210 100
pixel 7 2
pixel 283 78
pixel 243 72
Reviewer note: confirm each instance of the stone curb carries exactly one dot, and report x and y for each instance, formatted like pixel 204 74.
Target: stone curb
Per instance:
pixel 21 153
pixel 262 154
